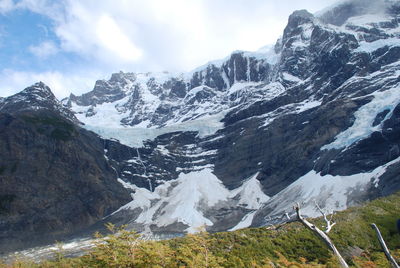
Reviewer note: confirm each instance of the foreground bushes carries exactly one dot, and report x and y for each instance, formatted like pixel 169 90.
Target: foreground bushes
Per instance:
pixel 290 246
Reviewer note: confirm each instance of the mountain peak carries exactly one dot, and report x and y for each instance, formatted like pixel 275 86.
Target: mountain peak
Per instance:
pixel 298 18
pixel 40 90
pixel 303 14
pixel 36 97
pixel 121 76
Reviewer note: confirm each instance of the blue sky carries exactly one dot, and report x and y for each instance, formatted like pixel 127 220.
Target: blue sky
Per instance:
pixel 69 44
pixel 28 42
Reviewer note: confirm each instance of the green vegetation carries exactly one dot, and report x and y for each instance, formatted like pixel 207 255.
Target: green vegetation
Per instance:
pixel 289 246
pixel 54 127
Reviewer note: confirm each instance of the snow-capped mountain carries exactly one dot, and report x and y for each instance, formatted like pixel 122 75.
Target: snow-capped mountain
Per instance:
pixel 234 143
pixel 35 97
pixel 297 117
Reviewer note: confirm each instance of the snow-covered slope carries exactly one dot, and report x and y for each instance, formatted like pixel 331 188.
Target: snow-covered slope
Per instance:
pixel 334 193
pixel 185 200
pixel 315 117
pixel 182 102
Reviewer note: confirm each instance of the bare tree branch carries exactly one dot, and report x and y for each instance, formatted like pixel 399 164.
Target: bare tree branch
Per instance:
pixel 390 258
pixel 321 235
pixel 329 223
pixel 287 216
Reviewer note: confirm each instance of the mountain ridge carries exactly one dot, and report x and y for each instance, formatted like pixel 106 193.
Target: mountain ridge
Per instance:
pixel 320 105
pixel 319 71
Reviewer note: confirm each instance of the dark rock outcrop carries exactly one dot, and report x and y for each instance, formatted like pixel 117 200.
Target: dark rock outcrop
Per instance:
pixel 54 179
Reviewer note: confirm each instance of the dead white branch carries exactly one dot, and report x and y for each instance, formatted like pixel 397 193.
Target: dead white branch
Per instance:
pixel 390 258
pixel 321 235
pixel 329 223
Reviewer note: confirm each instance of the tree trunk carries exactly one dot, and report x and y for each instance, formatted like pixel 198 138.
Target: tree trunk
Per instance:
pixel 321 235
pixel 390 258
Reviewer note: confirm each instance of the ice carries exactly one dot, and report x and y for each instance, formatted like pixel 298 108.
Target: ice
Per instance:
pixel 307 105
pixel 159 77
pixel 217 63
pixel 250 193
pixel 364 118
pixel 289 77
pixel 141 196
pixel 185 198
pixel 163 150
pixel 183 201
pixel 226 79
pixel 245 222
pixel 265 53
pixel 238 86
pixel 106 114
pixel 330 192
pixel 372 46
pixel 307 30
pixel 251 196
pixel 134 136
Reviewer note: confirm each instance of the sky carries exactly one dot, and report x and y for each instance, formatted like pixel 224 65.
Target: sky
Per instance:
pixel 69 44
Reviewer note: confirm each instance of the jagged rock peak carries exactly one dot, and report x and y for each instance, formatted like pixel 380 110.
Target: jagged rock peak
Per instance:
pixel 299 17
pixel 121 76
pixel 36 97
pixel 39 89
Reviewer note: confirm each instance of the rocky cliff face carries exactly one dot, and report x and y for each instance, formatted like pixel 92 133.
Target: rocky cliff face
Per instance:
pixel 236 142
pixel 54 179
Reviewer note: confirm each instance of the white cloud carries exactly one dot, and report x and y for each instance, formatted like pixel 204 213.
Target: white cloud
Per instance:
pixel 172 35
pixel 157 35
pixel 44 49
pixel 115 40
pixel 6 6
pixel 61 84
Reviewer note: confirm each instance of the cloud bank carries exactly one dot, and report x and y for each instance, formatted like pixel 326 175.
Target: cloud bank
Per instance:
pixel 134 35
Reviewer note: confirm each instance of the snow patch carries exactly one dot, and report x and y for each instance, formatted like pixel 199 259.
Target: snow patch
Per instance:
pixel 238 86
pixel 187 197
pixel 266 53
pixel 370 47
pixel 330 192
pixel 105 114
pixel 288 77
pixel 245 222
pixel 250 193
pixel 307 105
pixel 362 126
pixel 134 136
